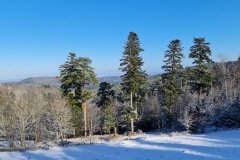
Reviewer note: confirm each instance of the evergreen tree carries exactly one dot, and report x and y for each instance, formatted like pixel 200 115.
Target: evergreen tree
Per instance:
pixel 201 76
pixel 75 74
pixel 106 96
pixel 109 119
pixel 157 86
pixel 174 58
pixel 201 80
pixel 134 76
pixel 174 70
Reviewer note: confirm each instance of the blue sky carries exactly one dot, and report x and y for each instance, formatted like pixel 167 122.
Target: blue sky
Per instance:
pixel 37 35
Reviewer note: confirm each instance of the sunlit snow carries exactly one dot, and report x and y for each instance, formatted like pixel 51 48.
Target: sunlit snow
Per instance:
pixel 222 145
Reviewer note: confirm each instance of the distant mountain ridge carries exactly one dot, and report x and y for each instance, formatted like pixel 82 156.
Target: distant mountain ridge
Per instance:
pixel 54 81
pixel 111 79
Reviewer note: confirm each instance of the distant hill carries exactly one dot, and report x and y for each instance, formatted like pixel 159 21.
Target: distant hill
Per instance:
pixel 152 77
pixel 111 79
pixel 40 81
pixel 54 81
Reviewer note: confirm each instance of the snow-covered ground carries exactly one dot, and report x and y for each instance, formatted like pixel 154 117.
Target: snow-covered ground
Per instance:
pixel 224 145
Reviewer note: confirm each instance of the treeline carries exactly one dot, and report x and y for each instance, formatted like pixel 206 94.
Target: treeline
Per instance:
pixel 183 98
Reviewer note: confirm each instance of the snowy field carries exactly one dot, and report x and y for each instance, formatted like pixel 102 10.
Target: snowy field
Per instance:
pixel 223 145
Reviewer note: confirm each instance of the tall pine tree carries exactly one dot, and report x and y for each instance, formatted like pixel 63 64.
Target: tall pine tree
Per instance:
pixel 200 79
pixel 201 76
pixel 134 76
pixel 75 75
pixel 174 70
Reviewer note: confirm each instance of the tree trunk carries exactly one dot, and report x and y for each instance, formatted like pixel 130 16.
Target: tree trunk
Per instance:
pixel 91 128
pixel 61 134
pixel 132 125
pixel 57 136
pixel 22 136
pixel 11 140
pixel 226 88
pixel 37 133
pixel 115 131
pixel 22 140
pixel 84 107
pixel 10 135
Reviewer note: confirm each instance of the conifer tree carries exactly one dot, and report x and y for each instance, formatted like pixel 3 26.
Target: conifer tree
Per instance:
pixel 201 79
pixel 174 58
pixel 75 75
pixel 105 94
pixel 202 76
pixel 174 71
pixel 134 76
pixel 106 97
